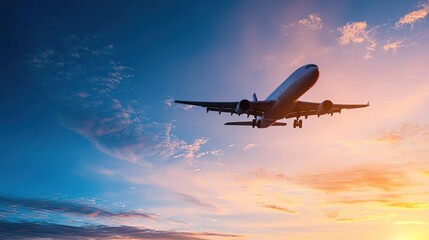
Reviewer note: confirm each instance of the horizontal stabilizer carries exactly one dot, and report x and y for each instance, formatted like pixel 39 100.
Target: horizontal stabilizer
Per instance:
pixel 279 124
pixel 249 123
pixel 239 123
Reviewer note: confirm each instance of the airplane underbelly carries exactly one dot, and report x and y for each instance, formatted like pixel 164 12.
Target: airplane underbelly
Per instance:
pixel 279 110
pixel 286 102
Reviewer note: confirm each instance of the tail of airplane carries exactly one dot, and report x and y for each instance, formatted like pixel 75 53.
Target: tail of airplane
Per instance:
pixel 254 98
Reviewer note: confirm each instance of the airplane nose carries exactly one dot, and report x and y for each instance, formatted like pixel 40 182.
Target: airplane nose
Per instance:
pixel 316 72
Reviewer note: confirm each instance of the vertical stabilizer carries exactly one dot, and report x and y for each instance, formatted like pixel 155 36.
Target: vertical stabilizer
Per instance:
pixel 254 98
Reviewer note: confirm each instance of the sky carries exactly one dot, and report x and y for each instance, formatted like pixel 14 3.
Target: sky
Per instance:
pixel 93 147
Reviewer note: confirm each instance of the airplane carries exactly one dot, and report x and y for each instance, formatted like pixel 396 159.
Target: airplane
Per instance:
pixel 283 103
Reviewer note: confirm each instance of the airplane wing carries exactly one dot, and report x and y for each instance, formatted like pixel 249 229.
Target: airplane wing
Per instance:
pixel 257 108
pixel 304 109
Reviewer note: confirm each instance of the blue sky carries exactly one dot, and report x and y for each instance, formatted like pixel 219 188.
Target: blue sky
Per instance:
pixel 91 141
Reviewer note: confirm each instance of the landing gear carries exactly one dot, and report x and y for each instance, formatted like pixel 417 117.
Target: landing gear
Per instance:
pixel 256 123
pixel 297 123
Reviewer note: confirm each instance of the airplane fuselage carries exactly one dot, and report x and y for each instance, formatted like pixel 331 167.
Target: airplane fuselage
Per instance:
pixel 287 94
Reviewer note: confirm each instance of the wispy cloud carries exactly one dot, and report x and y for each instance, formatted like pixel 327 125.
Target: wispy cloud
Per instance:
pixel 408 205
pixel 29 218
pixel 402 131
pixel 392 201
pixel 41 205
pixel 176 148
pixel 357 32
pixel 266 175
pixel 278 208
pixel 195 201
pixel 356 178
pixel 412 17
pixel 31 230
pixel 385 178
pixel 250 146
pixel 89 80
pixel 169 102
pixel 311 22
pixel 393 46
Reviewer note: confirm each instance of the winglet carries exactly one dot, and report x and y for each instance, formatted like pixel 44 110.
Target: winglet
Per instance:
pixel 255 99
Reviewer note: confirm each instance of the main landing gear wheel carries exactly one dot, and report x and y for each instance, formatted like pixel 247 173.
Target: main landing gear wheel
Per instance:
pixel 256 123
pixel 297 123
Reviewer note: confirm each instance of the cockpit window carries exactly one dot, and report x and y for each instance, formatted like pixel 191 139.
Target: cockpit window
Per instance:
pixel 310 65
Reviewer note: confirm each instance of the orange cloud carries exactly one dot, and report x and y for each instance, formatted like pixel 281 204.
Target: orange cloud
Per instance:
pixel 387 202
pixel 408 205
pixel 357 201
pixel 381 177
pixel 355 178
pixel 401 132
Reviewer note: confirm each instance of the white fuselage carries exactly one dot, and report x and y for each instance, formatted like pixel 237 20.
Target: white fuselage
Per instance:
pixel 287 94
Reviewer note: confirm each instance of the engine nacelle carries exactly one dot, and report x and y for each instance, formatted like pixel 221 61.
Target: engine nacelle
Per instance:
pixel 242 107
pixel 325 107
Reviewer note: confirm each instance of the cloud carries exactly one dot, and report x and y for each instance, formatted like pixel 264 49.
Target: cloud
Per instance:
pixel 31 230
pixel 88 84
pixel 169 102
pixel 215 152
pixel 357 32
pixel 402 132
pixel 193 200
pixel 278 208
pixel 176 148
pixel 414 16
pixel 393 46
pixel 388 201
pixel 355 178
pixel 26 218
pixel 365 217
pixel 44 205
pixel 311 22
pixel 250 146
pixel 408 205
pixel 265 175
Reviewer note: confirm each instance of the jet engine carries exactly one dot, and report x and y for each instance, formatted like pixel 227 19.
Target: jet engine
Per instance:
pixel 325 107
pixel 242 107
